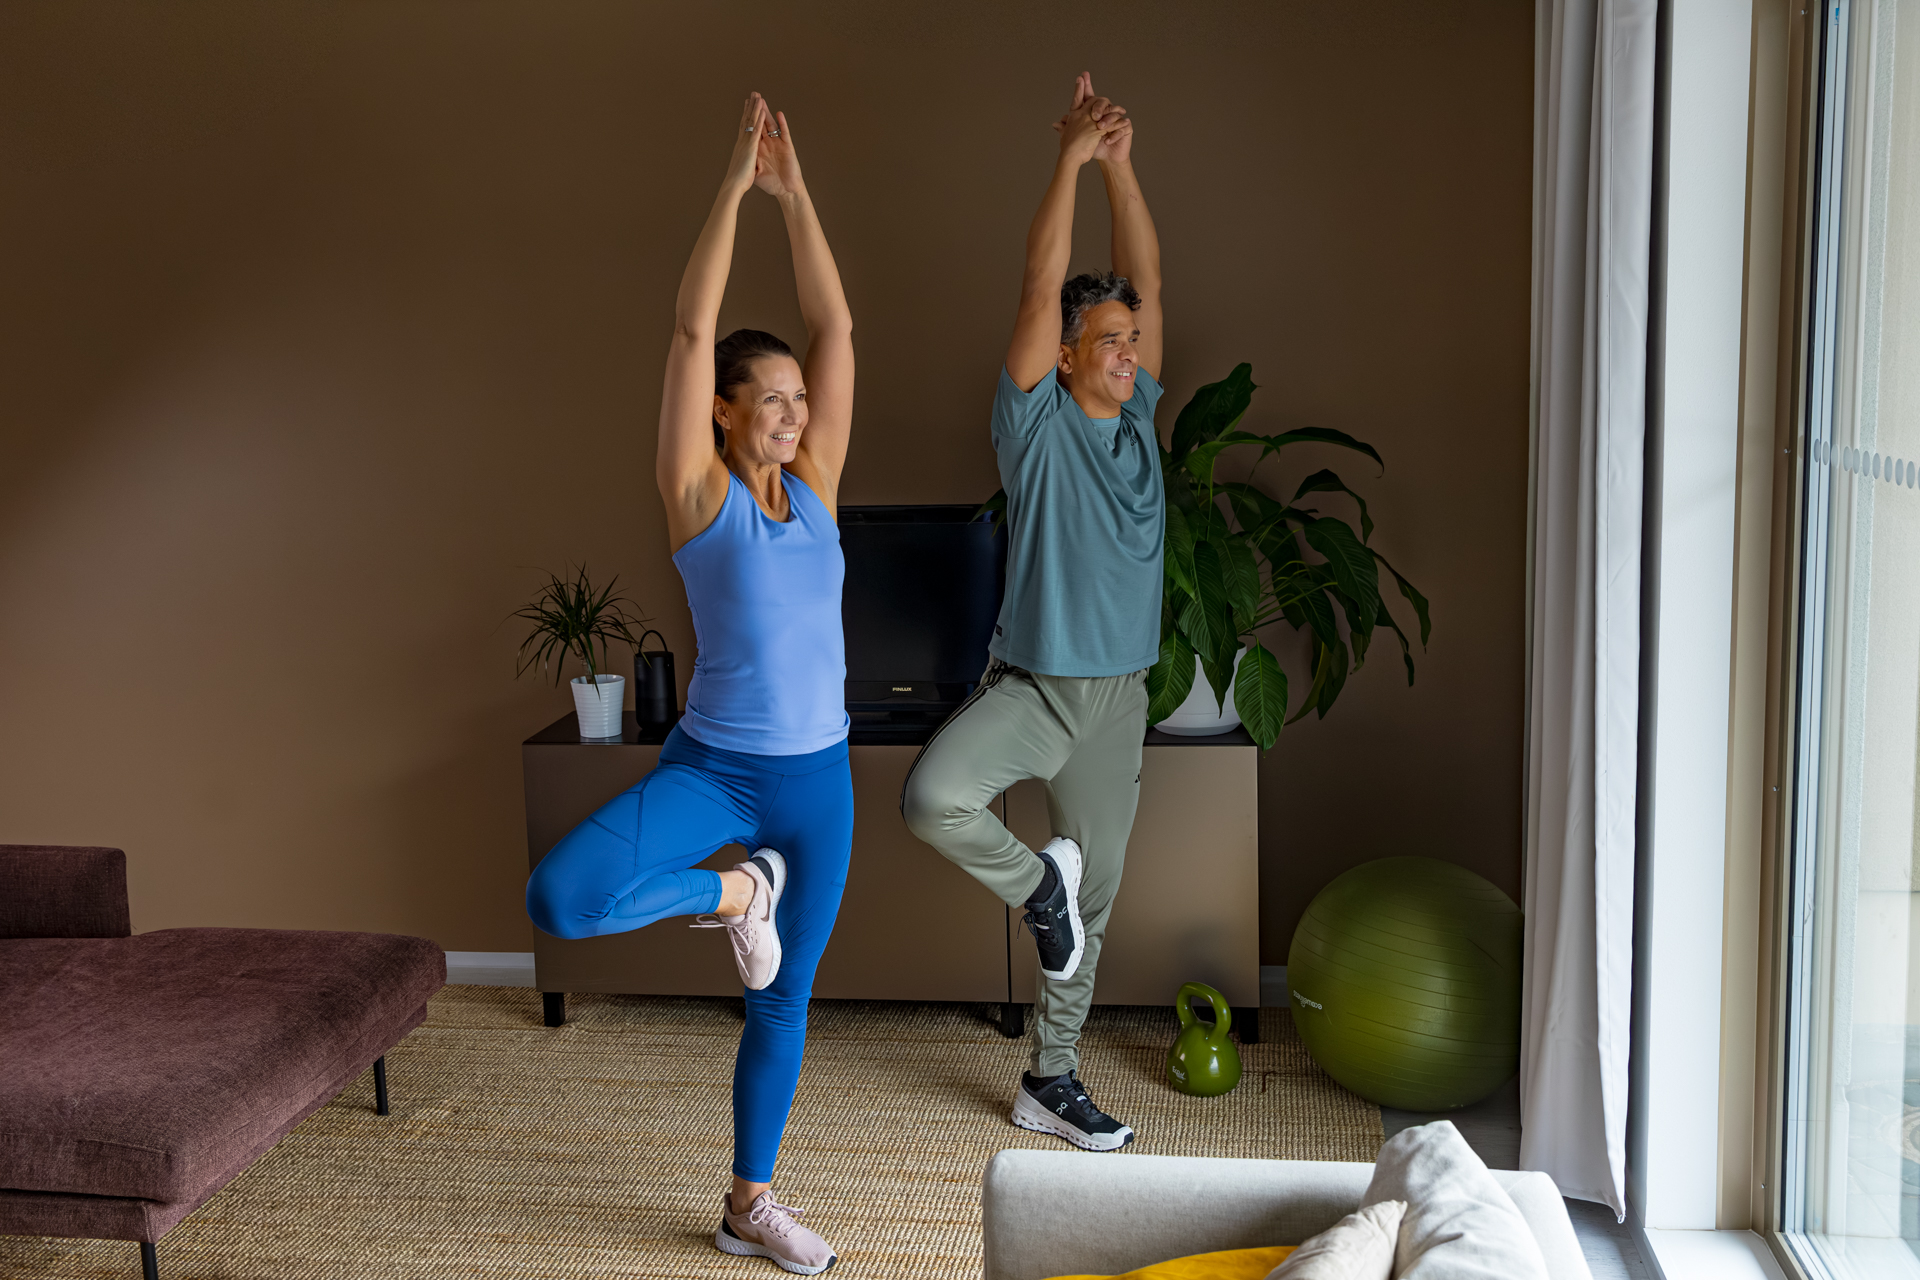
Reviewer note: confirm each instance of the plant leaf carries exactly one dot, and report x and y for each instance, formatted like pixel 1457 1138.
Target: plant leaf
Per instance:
pixel 1414 598
pixel 1350 560
pixel 1336 680
pixel 572 617
pixel 1209 524
pixel 1260 695
pixel 1322 435
pixel 1255 511
pixel 1406 650
pixel 1242 574
pixel 1213 409
pixel 1282 549
pixel 1199 462
pixel 1179 549
pixel 1218 668
pixel 1327 481
pixel 1180 495
pixel 1329 674
pixel 1319 610
pixel 1359 627
pixel 1322 667
pixel 1208 618
pixel 1169 680
pixel 997 504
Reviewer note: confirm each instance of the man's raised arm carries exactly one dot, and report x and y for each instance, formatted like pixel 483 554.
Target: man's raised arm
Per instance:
pixel 1035 349
pixel 1136 244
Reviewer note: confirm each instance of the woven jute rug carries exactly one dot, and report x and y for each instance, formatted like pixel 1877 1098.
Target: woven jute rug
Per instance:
pixel 600 1149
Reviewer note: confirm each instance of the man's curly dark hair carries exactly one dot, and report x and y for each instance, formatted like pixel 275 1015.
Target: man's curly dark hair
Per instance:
pixel 1084 292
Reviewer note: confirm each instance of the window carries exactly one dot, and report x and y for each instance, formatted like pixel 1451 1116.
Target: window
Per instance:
pixel 1850 1188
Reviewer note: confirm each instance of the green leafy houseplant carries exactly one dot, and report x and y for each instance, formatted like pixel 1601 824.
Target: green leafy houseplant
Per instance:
pixel 572 617
pixel 1238 560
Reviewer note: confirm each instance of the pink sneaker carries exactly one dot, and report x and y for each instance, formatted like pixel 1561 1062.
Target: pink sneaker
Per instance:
pixel 756 942
pixel 768 1230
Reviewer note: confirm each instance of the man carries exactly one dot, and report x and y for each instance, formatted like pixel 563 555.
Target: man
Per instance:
pixel 1064 697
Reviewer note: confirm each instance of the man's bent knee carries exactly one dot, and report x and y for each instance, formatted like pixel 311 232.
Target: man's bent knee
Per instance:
pixel 932 810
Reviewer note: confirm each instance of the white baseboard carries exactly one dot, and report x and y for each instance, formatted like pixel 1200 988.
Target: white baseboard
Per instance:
pixel 515 969
pixel 1273 987
pixel 490 968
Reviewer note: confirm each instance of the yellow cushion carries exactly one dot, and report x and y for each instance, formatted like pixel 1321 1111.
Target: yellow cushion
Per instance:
pixel 1228 1264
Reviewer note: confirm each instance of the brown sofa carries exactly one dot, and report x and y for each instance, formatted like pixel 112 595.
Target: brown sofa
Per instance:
pixel 140 1075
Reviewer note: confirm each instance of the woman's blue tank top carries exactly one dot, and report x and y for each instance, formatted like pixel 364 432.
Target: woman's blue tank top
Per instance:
pixel 769 677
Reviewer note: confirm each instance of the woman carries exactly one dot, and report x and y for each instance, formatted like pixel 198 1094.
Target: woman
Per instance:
pixel 751 447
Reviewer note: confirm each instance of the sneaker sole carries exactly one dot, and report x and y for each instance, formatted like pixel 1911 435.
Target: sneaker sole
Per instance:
pixel 772 861
pixel 748 1249
pixel 1070 870
pixel 1030 1115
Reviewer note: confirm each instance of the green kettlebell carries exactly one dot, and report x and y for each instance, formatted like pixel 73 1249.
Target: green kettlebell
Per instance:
pixel 1204 1062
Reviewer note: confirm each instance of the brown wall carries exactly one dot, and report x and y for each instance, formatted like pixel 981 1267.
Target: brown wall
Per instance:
pixel 322 327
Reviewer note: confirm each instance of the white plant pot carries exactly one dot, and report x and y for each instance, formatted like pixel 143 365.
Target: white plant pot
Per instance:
pixel 1198 716
pixel 599 709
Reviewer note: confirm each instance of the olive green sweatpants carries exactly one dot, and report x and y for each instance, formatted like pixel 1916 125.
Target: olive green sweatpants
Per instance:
pixel 1081 736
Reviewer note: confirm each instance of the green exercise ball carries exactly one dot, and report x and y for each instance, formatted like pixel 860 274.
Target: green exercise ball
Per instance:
pixel 1404 978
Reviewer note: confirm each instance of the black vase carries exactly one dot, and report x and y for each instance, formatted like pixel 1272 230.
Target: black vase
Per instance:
pixel 653 688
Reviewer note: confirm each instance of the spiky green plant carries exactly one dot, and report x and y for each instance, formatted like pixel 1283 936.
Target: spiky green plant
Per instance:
pixel 571 617
pixel 1235 564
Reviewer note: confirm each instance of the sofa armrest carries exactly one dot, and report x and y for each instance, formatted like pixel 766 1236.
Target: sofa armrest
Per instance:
pixel 1053 1213
pixel 63 891
pixel 1538 1199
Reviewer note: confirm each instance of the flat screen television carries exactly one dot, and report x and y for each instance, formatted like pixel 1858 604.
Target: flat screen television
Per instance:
pixel 922 593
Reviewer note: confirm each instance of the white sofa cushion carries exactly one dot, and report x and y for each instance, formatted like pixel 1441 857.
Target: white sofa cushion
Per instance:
pixel 1459 1224
pixel 1358 1247
pixel 1538 1199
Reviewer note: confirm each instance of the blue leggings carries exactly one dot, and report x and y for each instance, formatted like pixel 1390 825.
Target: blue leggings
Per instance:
pixel 634 862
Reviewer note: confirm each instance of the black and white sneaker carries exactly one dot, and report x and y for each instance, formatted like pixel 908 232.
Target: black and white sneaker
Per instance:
pixel 1062 1108
pixel 1055 923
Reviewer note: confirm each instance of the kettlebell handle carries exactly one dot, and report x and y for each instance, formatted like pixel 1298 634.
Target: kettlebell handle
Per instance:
pixel 1222 1012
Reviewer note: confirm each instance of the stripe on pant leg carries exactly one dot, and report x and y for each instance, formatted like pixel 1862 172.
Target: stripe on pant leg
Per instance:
pixel 988 680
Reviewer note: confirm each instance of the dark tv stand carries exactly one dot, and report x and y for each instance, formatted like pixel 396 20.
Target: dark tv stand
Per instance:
pixel 900 726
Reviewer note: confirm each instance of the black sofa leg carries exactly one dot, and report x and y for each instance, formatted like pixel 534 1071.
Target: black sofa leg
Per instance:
pixel 1247 1023
pixel 554 1005
pixel 149 1262
pixel 380 1085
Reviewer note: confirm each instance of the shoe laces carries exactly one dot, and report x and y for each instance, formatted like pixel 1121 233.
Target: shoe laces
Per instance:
pixel 1079 1092
pixel 1032 921
pixel 774 1216
pixel 743 931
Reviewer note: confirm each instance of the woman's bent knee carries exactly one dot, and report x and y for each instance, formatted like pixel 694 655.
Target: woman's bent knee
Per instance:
pixel 552 916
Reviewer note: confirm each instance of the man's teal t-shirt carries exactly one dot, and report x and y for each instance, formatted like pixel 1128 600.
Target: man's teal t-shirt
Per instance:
pixel 1086 522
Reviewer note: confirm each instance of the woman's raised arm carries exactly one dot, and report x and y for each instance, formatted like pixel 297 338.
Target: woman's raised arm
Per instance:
pixel 692 478
pixel 823 306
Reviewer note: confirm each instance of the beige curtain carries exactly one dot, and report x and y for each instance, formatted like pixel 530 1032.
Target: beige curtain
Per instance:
pixel 1593 201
